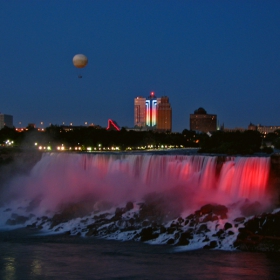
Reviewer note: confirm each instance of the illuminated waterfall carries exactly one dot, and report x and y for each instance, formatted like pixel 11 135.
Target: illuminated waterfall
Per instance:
pixel 62 178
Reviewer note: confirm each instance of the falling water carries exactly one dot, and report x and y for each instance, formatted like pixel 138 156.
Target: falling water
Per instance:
pixel 64 178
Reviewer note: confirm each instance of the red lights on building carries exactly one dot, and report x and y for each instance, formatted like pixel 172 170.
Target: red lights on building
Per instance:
pixel 112 125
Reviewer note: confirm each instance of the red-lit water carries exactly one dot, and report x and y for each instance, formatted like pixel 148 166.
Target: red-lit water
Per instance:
pixel 58 178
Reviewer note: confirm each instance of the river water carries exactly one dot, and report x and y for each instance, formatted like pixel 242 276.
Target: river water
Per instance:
pixel 25 255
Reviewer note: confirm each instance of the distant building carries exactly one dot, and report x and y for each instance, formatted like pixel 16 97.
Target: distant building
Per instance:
pixel 152 113
pixel 252 127
pixel 241 129
pixel 201 121
pixel 263 129
pixel 6 120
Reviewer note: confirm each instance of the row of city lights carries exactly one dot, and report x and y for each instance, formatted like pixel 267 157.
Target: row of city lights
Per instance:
pixel 63 123
pixel 62 147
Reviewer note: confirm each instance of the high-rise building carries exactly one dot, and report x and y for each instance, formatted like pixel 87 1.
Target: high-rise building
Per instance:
pixel 6 120
pixel 153 113
pixel 164 115
pixel 140 112
pixel 201 121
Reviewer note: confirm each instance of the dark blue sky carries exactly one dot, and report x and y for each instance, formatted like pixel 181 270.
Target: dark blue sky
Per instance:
pixel 220 55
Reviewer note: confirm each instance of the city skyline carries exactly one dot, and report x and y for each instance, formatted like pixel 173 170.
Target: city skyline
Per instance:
pixel 222 56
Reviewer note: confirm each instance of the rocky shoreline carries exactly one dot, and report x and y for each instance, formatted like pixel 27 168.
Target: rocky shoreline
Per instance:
pixel 210 227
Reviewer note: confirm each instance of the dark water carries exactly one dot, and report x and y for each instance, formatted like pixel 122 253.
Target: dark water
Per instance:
pixel 64 257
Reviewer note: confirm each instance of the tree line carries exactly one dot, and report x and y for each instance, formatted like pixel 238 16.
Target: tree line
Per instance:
pixel 221 142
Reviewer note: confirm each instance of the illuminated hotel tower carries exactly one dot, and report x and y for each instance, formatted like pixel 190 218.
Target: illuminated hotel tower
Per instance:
pixel 164 115
pixel 153 113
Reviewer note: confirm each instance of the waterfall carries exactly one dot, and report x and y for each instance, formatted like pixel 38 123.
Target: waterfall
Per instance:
pixel 65 177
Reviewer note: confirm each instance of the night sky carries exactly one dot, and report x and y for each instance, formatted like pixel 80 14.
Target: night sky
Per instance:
pixel 223 56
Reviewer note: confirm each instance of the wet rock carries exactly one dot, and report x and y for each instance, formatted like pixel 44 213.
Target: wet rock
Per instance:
pixel 184 239
pixel 210 218
pixel 213 244
pixel 175 224
pixel 219 210
pixel 180 220
pixel 16 220
pixel 162 229
pixel 261 233
pixel 202 228
pixel 129 206
pixel 33 225
pixel 170 241
pixel 69 212
pixel 148 234
pixel 206 239
pixel 220 233
pixel 131 221
pixel 92 232
pixel 170 230
pixel 227 226
pixel 190 217
pixel 238 221
pixel 145 223
pixel 118 213
pixel 250 209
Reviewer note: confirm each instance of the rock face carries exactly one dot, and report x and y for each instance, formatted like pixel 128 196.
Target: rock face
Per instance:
pixel 210 227
pixel 145 222
pixel 261 233
pixel 146 225
pixel 274 177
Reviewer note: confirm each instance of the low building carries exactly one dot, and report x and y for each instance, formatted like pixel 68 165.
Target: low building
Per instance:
pixel 263 129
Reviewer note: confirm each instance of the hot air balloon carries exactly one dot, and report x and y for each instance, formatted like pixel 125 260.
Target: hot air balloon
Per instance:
pixel 80 61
